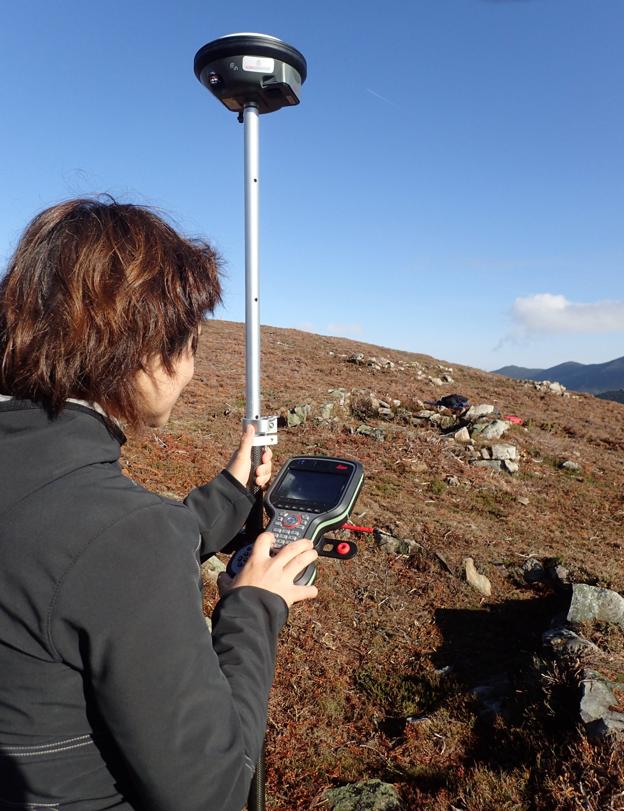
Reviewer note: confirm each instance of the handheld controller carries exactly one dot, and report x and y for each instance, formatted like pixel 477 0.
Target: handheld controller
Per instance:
pixel 311 495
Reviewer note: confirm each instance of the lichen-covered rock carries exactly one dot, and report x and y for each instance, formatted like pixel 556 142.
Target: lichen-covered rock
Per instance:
pixel 298 415
pixel 481 410
pixel 396 546
pixel 494 430
pixel 341 396
pixel 493 464
pixel 375 433
pixel 593 604
pixel 562 640
pixel 505 451
pixel 574 467
pixel 369 795
pixel 597 698
pixel 381 363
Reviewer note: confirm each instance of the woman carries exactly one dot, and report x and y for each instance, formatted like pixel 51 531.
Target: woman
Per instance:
pixel 113 694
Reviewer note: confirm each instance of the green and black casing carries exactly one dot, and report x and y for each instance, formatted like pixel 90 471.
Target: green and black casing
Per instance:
pixel 312 495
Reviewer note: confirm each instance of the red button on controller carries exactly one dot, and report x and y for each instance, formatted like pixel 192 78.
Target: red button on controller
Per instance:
pixel 343 548
pixel 291 520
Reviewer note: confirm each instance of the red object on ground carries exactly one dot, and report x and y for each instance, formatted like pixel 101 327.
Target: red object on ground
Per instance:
pixel 514 419
pixel 355 528
pixel 343 548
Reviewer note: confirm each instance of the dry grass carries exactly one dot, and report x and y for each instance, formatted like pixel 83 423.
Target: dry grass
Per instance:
pixel 376 678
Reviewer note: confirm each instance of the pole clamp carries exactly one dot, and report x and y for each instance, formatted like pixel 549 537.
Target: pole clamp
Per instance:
pixel 266 430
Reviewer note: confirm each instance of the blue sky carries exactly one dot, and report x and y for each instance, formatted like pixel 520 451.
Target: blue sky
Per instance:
pixel 452 183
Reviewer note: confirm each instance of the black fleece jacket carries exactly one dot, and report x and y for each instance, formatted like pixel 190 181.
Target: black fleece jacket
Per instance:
pixel 113 693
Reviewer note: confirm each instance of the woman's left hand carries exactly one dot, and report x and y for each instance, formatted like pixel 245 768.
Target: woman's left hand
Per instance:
pixel 240 463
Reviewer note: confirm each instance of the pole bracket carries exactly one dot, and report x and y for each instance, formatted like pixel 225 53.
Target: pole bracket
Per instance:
pixel 266 430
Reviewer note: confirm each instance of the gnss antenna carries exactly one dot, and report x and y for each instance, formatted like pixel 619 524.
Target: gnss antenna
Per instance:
pixel 253 74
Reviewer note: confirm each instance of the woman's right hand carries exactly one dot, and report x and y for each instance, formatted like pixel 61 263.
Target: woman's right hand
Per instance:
pixel 276 572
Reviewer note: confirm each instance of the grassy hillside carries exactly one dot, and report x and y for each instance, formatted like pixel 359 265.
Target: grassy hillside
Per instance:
pixel 387 674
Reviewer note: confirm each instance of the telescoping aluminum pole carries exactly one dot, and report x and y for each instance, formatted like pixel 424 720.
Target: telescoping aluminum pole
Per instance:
pixel 266 428
pixel 252 74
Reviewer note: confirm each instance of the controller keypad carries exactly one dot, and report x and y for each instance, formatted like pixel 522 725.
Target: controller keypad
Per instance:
pixel 288 526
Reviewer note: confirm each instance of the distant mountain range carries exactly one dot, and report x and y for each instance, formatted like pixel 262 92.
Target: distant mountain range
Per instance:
pixel 606 379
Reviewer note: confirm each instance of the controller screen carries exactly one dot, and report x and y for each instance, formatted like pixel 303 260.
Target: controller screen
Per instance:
pixel 311 486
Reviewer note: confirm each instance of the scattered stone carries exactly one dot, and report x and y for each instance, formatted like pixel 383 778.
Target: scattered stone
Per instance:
pixel 381 363
pixel 452 481
pixel 169 494
pixel 510 467
pixel 444 562
pixel 396 546
pixel 562 640
pixel 327 411
pixel 376 433
pixel 412 466
pixel 368 795
pixel 478 581
pixel 298 415
pixel 523 500
pixel 403 415
pixel 493 464
pixel 593 604
pixel 533 571
pixel 570 465
pixel 437 381
pixel 550 387
pixel 357 358
pixel 597 698
pixel 494 430
pixel 485 453
pixel 386 413
pixel 212 568
pixel 447 379
pixel 341 396
pixel 462 436
pixel 505 452
pixel 476 411
pixel 559 575
pixel 446 421
pixel 364 404
pixel 396 403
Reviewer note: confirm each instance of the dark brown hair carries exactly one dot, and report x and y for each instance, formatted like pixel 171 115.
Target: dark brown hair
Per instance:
pixel 94 290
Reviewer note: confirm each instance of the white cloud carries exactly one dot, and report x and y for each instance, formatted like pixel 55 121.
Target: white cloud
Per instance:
pixel 549 313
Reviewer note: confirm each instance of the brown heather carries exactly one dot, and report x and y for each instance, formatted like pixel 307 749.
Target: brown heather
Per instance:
pixel 356 662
